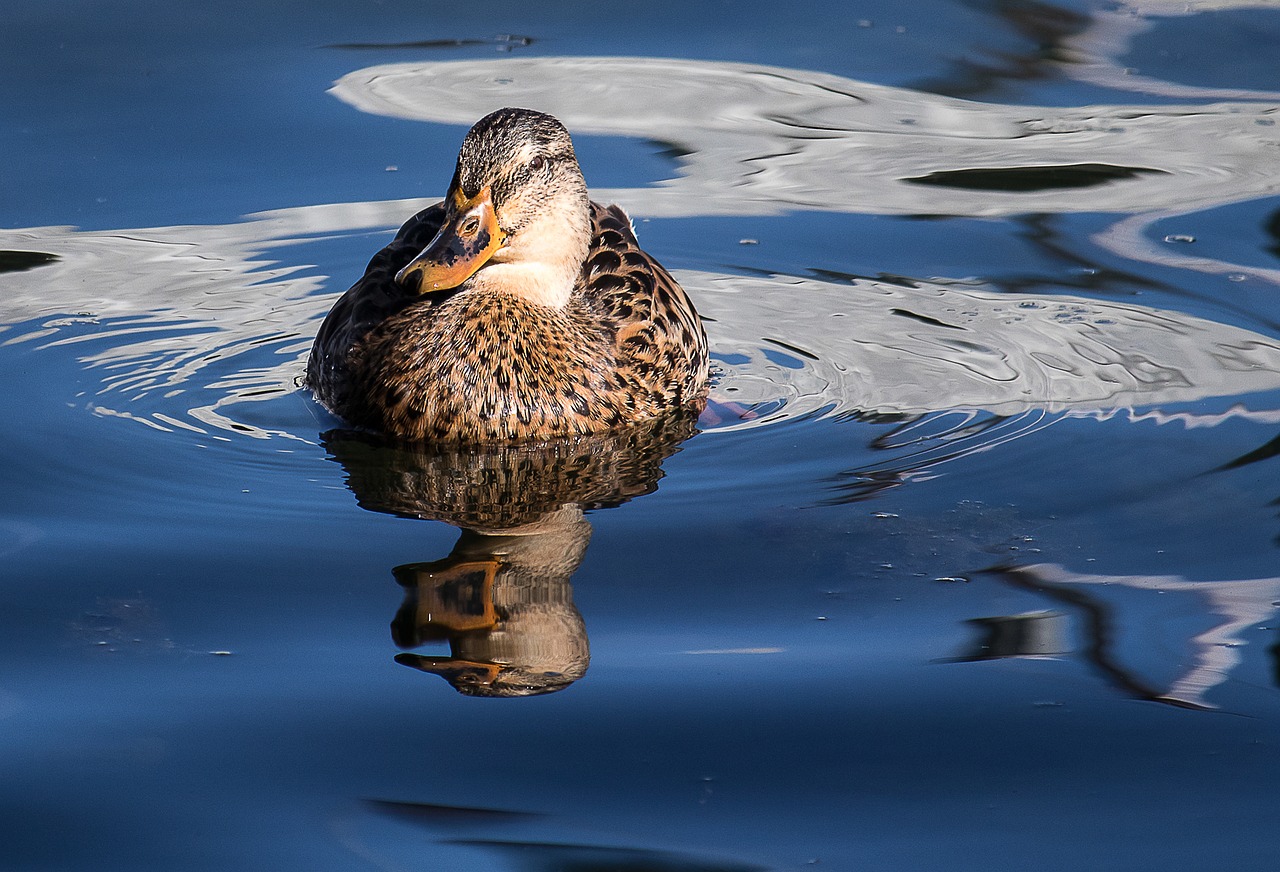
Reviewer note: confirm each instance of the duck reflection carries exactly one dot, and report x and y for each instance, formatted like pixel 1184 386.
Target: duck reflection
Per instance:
pixel 502 599
pixel 504 603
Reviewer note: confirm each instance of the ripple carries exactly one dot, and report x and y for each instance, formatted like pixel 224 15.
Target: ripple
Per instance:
pixel 233 329
pixel 781 139
pixel 880 349
pixel 204 329
pixel 236 329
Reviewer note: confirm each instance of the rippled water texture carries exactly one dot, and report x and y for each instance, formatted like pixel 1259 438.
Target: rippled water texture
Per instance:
pixel 969 564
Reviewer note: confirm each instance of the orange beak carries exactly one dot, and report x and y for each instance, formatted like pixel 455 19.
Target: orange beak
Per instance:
pixel 454 671
pixel 468 238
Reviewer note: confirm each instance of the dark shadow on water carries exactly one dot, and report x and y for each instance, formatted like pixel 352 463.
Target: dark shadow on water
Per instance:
pixel 432 815
pixel 1273 230
pixel 1046 29
pixel 542 857
pixel 18 261
pixel 1275 662
pixel 502 599
pixel 1031 178
pixel 502 42
pixel 1261 453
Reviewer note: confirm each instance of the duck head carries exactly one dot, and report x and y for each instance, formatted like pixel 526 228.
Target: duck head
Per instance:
pixel 517 215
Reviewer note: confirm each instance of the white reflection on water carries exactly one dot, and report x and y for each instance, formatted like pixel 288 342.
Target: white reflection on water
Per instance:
pixel 1214 652
pixel 785 346
pixel 1093 52
pixel 913 349
pixel 759 140
pixel 200 319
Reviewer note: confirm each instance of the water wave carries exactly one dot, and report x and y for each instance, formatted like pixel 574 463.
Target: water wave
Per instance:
pixel 188 327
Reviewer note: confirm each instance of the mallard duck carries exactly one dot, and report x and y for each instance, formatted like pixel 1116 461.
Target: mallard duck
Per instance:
pixel 515 309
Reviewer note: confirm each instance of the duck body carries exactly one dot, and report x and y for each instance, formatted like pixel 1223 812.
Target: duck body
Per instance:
pixel 516 309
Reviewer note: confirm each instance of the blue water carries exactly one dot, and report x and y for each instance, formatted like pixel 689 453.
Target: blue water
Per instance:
pixel 972 566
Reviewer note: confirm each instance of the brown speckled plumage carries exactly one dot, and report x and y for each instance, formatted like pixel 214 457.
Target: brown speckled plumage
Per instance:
pixel 486 361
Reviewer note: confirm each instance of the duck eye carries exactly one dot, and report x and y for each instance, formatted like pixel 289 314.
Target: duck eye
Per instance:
pixel 537 163
pixel 471 225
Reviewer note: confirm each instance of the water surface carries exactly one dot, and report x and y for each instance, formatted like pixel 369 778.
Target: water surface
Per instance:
pixel 971 562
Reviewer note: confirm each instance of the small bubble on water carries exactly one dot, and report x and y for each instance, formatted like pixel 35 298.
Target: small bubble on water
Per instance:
pixel 1048 703
pixel 884 515
pixel 865 22
pixel 1180 238
pixel 952 579
pixel 1236 277
pixel 220 653
pixel 820 618
pixel 748 241
pixel 392 168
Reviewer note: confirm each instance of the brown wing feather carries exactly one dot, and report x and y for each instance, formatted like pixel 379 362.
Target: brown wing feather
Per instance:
pixel 369 302
pixel 660 343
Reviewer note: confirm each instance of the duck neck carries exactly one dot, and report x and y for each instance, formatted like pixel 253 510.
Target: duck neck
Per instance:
pixel 541 261
pixel 539 282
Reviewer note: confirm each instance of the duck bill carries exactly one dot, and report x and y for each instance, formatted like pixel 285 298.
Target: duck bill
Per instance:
pixel 468 238
pixel 456 671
